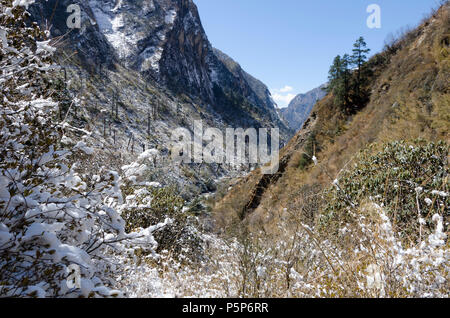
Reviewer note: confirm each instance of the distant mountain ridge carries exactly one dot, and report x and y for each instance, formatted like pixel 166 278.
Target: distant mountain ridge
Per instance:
pixel 301 106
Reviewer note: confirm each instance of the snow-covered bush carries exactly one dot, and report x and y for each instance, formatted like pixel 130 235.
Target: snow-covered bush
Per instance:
pixel 409 180
pixel 54 221
pixel 372 260
pixel 147 204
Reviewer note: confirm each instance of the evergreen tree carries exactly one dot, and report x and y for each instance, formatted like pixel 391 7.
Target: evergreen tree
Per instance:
pixel 358 59
pixel 349 88
pixel 339 80
pixel 334 73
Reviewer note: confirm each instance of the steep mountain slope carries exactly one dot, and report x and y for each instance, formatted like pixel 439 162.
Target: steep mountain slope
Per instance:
pixel 409 99
pixel 165 42
pixel 257 87
pixel 300 107
pixel 138 69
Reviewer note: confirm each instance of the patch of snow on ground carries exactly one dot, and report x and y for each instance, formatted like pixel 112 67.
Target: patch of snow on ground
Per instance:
pixel 214 76
pixel 110 25
pixel 170 17
pixel 118 6
pixel 151 57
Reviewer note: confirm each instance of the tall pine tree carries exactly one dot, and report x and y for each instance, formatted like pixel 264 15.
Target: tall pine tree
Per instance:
pixel 339 80
pixel 350 87
pixel 359 57
pixel 334 73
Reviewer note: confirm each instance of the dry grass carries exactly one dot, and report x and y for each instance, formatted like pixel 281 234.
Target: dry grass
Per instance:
pixel 410 99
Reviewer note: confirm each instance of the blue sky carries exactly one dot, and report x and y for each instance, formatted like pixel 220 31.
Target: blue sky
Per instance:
pixel 290 44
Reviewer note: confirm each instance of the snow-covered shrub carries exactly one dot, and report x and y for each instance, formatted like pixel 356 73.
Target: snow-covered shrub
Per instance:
pixel 409 180
pixel 215 276
pixel 148 204
pixel 54 221
pixel 372 260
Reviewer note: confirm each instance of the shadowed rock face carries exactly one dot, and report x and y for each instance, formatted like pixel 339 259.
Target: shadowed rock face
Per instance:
pixel 300 107
pixel 253 89
pixel 164 40
pixel 88 43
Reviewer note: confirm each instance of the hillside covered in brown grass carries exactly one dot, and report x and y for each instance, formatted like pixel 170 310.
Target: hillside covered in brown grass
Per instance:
pixel 409 99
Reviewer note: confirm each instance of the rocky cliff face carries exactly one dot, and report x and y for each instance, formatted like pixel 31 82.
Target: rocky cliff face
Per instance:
pixel 88 43
pixel 163 39
pixel 165 42
pixel 300 107
pixel 255 90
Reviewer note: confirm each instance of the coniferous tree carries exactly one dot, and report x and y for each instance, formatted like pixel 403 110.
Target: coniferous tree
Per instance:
pixel 350 88
pixel 344 91
pixel 334 73
pixel 359 58
pixel 339 80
